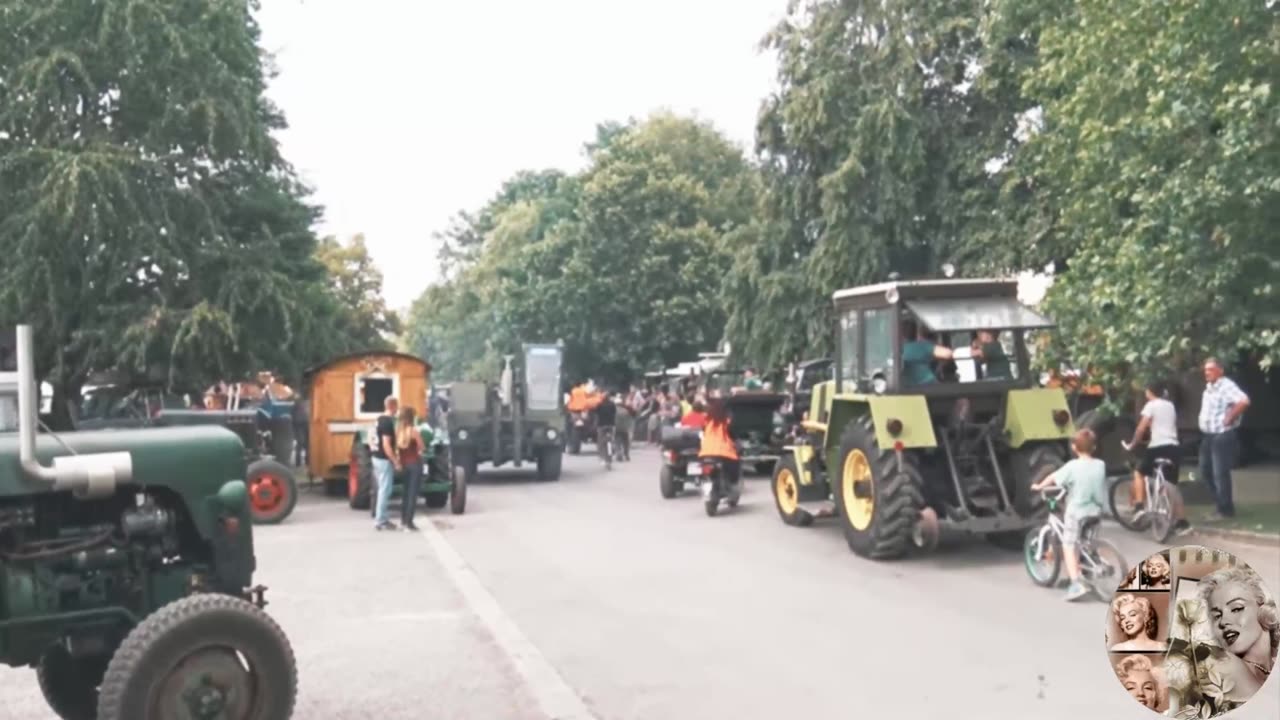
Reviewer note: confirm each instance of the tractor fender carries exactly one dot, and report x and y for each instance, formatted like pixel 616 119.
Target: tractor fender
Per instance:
pixel 911 413
pixel 1029 416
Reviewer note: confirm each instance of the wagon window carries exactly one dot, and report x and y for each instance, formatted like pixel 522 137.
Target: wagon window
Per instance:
pixel 372 392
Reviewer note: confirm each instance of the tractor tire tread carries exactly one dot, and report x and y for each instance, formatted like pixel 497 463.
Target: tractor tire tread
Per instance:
pixel 115 701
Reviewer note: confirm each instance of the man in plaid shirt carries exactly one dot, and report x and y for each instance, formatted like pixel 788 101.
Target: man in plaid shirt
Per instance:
pixel 1221 410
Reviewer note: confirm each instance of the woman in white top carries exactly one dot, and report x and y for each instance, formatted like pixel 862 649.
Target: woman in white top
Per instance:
pixel 1160 417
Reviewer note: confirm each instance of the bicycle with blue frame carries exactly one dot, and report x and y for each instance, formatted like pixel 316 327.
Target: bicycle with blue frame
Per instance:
pixel 1157 514
pixel 1102 565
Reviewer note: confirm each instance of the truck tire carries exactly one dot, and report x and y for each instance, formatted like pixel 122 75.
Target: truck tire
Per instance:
pixel 879 505
pixel 273 491
pixel 70 684
pixel 360 477
pixel 549 464
pixel 203 634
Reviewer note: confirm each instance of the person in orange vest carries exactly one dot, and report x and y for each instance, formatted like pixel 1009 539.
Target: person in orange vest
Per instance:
pixel 718 443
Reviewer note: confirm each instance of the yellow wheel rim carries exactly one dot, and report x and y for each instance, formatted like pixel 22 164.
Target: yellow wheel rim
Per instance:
pixel 788 493
pixel 856 469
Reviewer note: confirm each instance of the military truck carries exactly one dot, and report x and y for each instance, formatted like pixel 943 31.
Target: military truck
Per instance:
pixel 516 420
pixel 126 569
pixel 897 462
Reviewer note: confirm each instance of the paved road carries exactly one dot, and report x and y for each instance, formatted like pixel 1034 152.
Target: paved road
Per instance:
pixel 594 593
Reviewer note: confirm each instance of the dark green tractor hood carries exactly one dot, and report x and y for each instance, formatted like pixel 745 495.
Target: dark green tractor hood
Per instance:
pixel 193 462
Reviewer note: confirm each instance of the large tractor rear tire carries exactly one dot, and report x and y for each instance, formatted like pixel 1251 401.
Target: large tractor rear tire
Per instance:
pixel 204 655
pixel 786 494
pixel 273 491
pixel 360 477
pixel 1031 464
pixel 1110 430
pixel 879 504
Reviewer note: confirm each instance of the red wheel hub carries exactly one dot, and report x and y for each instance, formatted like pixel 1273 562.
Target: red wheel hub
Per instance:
pixel 353 479
pixel 266 492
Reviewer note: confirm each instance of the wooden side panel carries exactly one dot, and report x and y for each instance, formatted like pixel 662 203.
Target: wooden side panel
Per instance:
pixel 333 402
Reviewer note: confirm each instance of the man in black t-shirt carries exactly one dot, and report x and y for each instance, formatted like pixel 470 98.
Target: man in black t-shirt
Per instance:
pixel 386 462
pixel 606 420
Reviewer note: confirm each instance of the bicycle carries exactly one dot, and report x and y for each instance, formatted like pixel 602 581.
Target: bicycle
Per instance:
pixel 1100 559
pixel 607 441
pixel 1157 515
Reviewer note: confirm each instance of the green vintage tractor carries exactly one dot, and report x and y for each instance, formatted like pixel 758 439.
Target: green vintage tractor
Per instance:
pixel 442 484
pixel 126 570
pixel 898 462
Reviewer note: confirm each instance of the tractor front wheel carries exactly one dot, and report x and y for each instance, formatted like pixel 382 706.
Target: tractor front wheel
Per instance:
pixel 205 655
pixel 879 502
pixel 786 494
pixel 70 684
pixel 273 492
pixel 458 494
pixel 549 464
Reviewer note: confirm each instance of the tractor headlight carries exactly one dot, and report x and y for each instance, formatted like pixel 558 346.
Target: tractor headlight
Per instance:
pixel 891 295
pixel 894 426
pixel 551 434
pixel 879 384
pixel 462 434
pixel 1044 379
pixel 1061 417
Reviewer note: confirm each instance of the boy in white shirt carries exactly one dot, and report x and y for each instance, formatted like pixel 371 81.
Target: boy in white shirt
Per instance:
pixel 1160 418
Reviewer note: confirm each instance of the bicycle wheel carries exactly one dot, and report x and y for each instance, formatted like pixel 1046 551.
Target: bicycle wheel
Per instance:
pixel 1161 514
pixel 1042 556
pixel 1104 566
pixel 1121 500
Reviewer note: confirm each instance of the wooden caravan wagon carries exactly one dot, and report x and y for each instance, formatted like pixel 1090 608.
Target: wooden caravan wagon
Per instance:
pixel 347 395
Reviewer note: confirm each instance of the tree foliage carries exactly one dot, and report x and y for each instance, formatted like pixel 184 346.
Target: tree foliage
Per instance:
pixel 875 145
pixel 146 216
pixel 363 318
pixel 622 262
pixel 1158 166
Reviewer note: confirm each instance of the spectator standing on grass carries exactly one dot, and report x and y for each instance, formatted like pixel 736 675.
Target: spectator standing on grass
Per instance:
pixel 1221 409
pixel 386 462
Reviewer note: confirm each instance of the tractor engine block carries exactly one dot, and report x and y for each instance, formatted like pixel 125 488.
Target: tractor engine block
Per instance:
pixel 67 557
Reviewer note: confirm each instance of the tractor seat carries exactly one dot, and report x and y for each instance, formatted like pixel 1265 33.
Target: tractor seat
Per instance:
pixel 1164 462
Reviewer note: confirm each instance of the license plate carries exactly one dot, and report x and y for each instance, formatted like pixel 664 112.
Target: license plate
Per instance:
pixel 695 468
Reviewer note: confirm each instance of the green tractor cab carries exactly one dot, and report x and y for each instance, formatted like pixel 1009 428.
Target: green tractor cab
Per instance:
pixel 126 569
pixel 905 442
pixel 441 484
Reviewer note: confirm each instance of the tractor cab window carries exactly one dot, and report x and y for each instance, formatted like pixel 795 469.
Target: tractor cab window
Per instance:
pixel 542 376
pixel 372 392
pixel 877 334
pixel 983 355
pixel 849 351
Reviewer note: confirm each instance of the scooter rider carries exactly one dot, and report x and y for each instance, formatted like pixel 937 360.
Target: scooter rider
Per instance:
pixel 717 443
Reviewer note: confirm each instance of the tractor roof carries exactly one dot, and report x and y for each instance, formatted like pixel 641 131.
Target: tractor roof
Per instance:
pixel 908 289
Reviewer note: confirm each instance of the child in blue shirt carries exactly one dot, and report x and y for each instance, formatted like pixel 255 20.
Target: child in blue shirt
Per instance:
pixel 1085 480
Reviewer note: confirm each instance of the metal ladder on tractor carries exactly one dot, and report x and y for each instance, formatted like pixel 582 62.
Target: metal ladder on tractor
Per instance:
pixel 975 469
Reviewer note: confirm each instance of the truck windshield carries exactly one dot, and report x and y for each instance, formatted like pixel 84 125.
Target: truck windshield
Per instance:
pixel 542 375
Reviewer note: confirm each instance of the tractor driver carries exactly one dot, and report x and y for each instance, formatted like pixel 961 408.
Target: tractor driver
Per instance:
pixel 919 354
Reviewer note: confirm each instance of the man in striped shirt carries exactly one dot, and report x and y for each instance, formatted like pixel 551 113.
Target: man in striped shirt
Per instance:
pixel 1221 410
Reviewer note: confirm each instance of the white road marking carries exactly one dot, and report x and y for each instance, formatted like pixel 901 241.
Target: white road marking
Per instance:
pixel 556 699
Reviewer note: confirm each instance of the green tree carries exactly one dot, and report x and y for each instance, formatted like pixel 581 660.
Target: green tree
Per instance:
pixel 146 216
pixel 1156 171
pixel 623 262
pixel 365 321
pixel 875 148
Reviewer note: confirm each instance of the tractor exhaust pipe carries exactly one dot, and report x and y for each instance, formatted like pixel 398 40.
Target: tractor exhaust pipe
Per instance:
pixel 90 475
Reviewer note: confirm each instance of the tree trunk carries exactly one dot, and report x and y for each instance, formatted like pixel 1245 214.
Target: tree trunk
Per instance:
pixel 66 393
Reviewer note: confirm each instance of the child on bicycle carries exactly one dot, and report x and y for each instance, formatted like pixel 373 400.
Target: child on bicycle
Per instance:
pixel 1085 481
pixel 1159 418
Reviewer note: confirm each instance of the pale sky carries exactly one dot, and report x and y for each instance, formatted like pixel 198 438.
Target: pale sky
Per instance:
pixel 403 112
